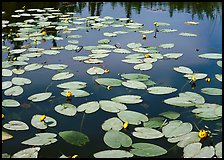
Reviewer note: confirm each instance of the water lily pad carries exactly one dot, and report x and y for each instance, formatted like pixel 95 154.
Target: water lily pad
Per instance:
pixel 16 125
pixel 218 150
pixel 219 63
pixel 135 56
pixel 66 109
pixel 6 84
pixel 146 31
pixel 154 122
pixel 109 81
pixel 191 22
pixel 212 91
pixel 41 139
pixel 183 69
pixel 161 90
pixel 123 51
pixel 132 117
pixel 80 58
pixel 170 114
pixel 146 133
pixel 173 55
pixel 135 76
pixel 112 124
pixel 27 153
pixel 88 107
pixel 134 45
pixel 72 85
pixel 14 91
pixel 211 55
pixel 73 41
pixel 20 81
pixel 98 55
pixel 110 106
pixel 108 34
pixel 162 24
pixel 76 92
pixel 55 66
pixel 6 72
pixel 113 154
pixel 48 122
pixel 71 47
pixel 167 45
pixel 32 55
pixel 95 70
pixel 74 137
pixel 149 82
pixel 193 97
pixel 93 61
pixel 176 128
pixel 104 41
pixel 134 84
pixel 218 77
pixel 40 96
pixel 116 139
pixel 140 50
pixel 167 30
pixel 50 52
pixel 17 51
pixel 10 103
pixel 196 75
pixel 6 136
pixel 143 66
pixel 18 71
pixel 128 99
pixel 147 150
pixel 186 34
pixel 106 46
pixel 62 76
pixel 33 66
pixel 179 101
pixel 194 150
pixel 100 51
pixel 132 61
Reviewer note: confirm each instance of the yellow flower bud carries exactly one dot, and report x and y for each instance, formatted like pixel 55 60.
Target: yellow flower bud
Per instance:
pixel 42 118
pixel 143 36
pixel 207 79
pixel 3 116
pixel 43 32
pixel 147 56
pixel 125 125
pixel 109 87
pixel 14 59
pixel 155 23
pixel 202 134
pixel 106 71
pixel 193 78
pixel 75 156
pixel 68 94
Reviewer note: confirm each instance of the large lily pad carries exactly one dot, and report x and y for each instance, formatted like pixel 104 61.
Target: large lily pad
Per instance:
pixel 211 55
pixel 40 96
pixel 212 91
pixel 170 114
pixel 113 154
pixel 166 45
pixel 112 124
pixel 135 76
pixel 88 107
pixel 33 66
pixel 134 84
pixel 173 55
pixel 41 139
pixel 76 92
pixel 14 91
pixel 6 136
pixel 10 103
pixel 109 81
pixel 146 133
pixel 95 70
pixel 147 150
pixel 116 139
pixel 193 97
pixel 20 81
pixel 143 66
pixel 50 52
pixel 154 122
pixel 74 137
pixel 218 150
pixel 55 66
pixel 62 76
pixel 48 122
pixel 196 75
pixel 183 69
pixel 72 85
pixel 100 51
pixel 27 153
pixel 123 51
pixel 6 72
pixel 161 90
pixel 6 84
pixel 66 109
pixel 16 125
pixel 110 106
pixel 132 117
pixel 134 45
pixel 140 50
pixel 186 34
pixel 132 61
pixel 218 77
pixel 93 61
pixel 128 99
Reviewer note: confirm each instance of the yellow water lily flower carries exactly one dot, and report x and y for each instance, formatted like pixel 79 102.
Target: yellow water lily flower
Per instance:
pixel 68 94
pixel 125 125
pixel 193 78
pixel 8 48
pixel 14 59
pixel 42 118
pixel 3 116
pixel 109 87
pixel 43 32
pixel 143 36
pixel 106 71
pixel 155 23
pixel 131 21
pixel 207 79
pixel 147 56
pixel 75 156
pixel 202 134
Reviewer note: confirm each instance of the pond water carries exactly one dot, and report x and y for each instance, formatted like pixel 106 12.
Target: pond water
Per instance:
pixel 208 39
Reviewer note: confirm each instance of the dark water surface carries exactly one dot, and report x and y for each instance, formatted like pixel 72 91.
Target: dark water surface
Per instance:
pixel 209 39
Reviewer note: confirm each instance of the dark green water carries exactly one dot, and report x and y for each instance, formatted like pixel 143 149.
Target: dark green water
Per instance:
pixel 209 39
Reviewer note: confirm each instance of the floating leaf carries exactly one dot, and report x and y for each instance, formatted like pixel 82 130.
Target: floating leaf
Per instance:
pixel 71 47
pixel 123 51
pixel 72 85
pixel 141 50
pixel 218 150
pixel 55 66
pixel 16 125
pixel 154 122
pixel 20 81
pixel 219 63
pixel 191 22
pixel 93 61
pixel 212 91
pixel 146 133
pixel 167 45
pixel 6 136
pixel 95 70
pixel 76 93
pixel 167 30
pixel 196 75
pixel 33 66
pixel 50 52
pixel 113 154
pixel 188 34
pixel 104 41
pixel 176 128
pixel 88 107
pixel 132 117
pixel 143 66
pixel 134 84
pixel 112 123
pixel 179 101
pixel 149 83
pixel 40 96
pixel 80 58
pixel 135 76
pixel 66 109
pixel 147 150
pixel 211 55
pixel 183 69
pixel 62 76
pixel 6 84
pixel 218 77
pixel 6 72
pixel 172 55
pixel 27 153
pixel 108 81
pixel 162 24
pixel 132 61
pixel 194 150
pixel 135 56
pixel 14 91
pixel 10 103
pixel 170 114
pixel 100 51
pixel 109 34
pixel 116 139
pixel 41 139
pixel 134 45
pixel 74 137
pixel 106 46
pixel 17 51
pixel 161 90
pixel 48 122
pixel 110 106
pixel 128 99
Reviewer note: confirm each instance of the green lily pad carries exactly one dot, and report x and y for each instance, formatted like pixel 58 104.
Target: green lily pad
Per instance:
pixel 219 63
pixel 104 41
pixel 76 92
pixel 20 81
pixel 146 133
pixel 146 31
pixel 32 55
pixel 40 96
pixel 74 137
pixel 27 153
pixel 120 32
pixel 133 61
pixel 66 109
pixel 128 99
pixel 161 90
pixel 135 76
pixel 194 150
pixel 6 72
pixel 134 84
pixel 211 55
pixel 196 75
pixel 176 128
pixel 6 136
pixel 147 150
pixel 41 139
pixel 75 36
pixel 106 46
pixel 212 91
pixel 100 51
pixel 167 45
pixel 113 154
pixel 154 122
pixel 14 91
pixel 123 51
pixel 95 70
pixel 71 47
pixel 33 66
pixel 18 71
pixel 186 34
pixel 62 76
pixel 93 61
pixel 16 125
pixel 108 34
pixel 170 114
pixel 73 41
pixel 6 84
pixel 167 30
pixel 132 117
pixel 193 97
pixel 80 58
pixel 17 51
pixel 179 101
pixel 48 122
pixel 183 69
pixel 218 77
pixel 173 55
pixel 88 107
pixel 135 56
pixel 116 139
pixel 149 82
pixel 218 150
pixel 109 81
pixel 110 106
pixel 112 124
pixel 10 103
pixel 72 85
pixel 134 45
pixel 55 66
pixel 140 50
pixel 162 24
pixel 98 55
pixel 143 66
pixel 50 52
